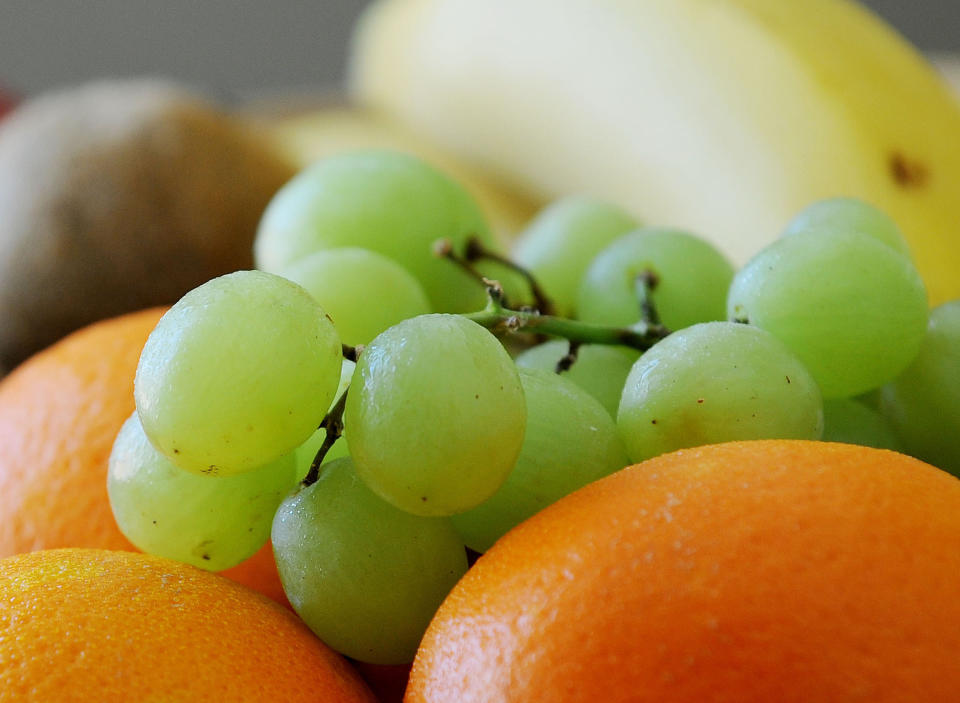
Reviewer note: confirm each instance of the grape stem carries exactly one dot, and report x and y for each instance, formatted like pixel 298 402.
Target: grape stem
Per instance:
pixel 567 361
pixel 646 281
pixel 333 424
pixel 498 318
pixel 476 251
pixel 351 353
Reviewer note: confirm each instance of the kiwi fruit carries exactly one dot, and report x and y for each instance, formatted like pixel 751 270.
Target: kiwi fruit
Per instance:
pixel 121 195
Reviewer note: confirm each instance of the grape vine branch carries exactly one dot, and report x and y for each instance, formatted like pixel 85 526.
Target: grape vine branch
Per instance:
pixel 501 319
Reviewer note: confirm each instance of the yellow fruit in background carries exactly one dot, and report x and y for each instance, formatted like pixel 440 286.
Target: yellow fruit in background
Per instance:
pixel 724 117
pixel 308 135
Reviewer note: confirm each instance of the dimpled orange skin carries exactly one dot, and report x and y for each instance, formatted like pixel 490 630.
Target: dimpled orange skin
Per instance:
pixel 85 625
pixel 59 413
pixel 773 571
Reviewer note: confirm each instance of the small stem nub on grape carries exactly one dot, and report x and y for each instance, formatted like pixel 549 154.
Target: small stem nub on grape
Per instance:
pixel 567 360
pixel 333 424
pixel 351 353
pixel 476 251
pixel 646 282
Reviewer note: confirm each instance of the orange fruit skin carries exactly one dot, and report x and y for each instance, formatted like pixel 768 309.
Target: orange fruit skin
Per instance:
pixel 772 571
pixel 84 625
pixel 59 414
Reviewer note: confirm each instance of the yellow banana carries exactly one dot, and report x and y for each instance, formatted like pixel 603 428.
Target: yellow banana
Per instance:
pixel 722 116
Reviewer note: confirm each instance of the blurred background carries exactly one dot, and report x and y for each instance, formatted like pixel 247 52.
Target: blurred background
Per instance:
pixel 252 48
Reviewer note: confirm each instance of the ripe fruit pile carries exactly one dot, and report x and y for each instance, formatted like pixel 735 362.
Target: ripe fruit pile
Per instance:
pixel 394 391
pixel 432 438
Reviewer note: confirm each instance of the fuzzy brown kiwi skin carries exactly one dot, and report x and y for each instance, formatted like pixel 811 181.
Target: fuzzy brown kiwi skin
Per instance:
pixel 116 196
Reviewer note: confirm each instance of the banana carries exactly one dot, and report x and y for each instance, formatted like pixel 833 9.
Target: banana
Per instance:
pixel 724 117
pixel 305 136
pixel 949 66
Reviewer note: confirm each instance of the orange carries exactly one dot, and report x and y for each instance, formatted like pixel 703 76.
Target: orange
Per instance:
pixel 87 624
pixel 59 414
pixel 750 572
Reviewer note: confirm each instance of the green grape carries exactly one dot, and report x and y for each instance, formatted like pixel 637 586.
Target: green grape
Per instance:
pixel 239 372
pixel 391 203
pixel 599 369
pixel 213 522
pixel 345 281
pixel 923 402
pixel 716 382
pixel 305 453
pixel 435 414
pixel 363 575
pixel 851 308
pixel 693 279
pixel 570 441
pixel 848 214
pixel 562 239
pixel 852 422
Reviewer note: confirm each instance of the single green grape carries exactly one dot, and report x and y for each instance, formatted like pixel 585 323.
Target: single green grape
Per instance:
pixel 923 402
pixel 362 291
pixel 850 307
pixel 848 214
pixel 435 414
pixel 239 372
pixel 600 370
pixel 559 243
pixel 853 422
pixel 394 204
pixel 213 522
pixel 716 382
pixel 363 575
pixel 570 441
pixel 693 278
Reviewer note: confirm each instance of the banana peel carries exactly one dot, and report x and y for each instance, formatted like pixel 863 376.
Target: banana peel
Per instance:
pixel 724 117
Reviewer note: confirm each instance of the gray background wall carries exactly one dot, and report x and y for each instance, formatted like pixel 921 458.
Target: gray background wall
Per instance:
pixel 247 48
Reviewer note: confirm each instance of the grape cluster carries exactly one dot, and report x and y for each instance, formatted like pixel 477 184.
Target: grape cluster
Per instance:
pixel 376 404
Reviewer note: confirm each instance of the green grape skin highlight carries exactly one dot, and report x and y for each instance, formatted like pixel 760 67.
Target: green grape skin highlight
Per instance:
pixel 848 214
pixel 363 292
pixel 394 204
pixel 559 243
pixel 364 576
pixel 716 382
pixel 212 522
pixel 923 402
pixel 600 370
pixel 570 441
pixel 853 422
pixel 435 414
pixel 239 372
pixel 851 308
pixel 692 286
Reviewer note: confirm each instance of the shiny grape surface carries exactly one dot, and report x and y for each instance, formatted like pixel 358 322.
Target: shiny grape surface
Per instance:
pixel 365 576
pixel 391 203
pixel 692 279
pixel 213 522
pixel 435 415
pixel 570 441
pixel 852 308
pixel 239 372
pixel 716 382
